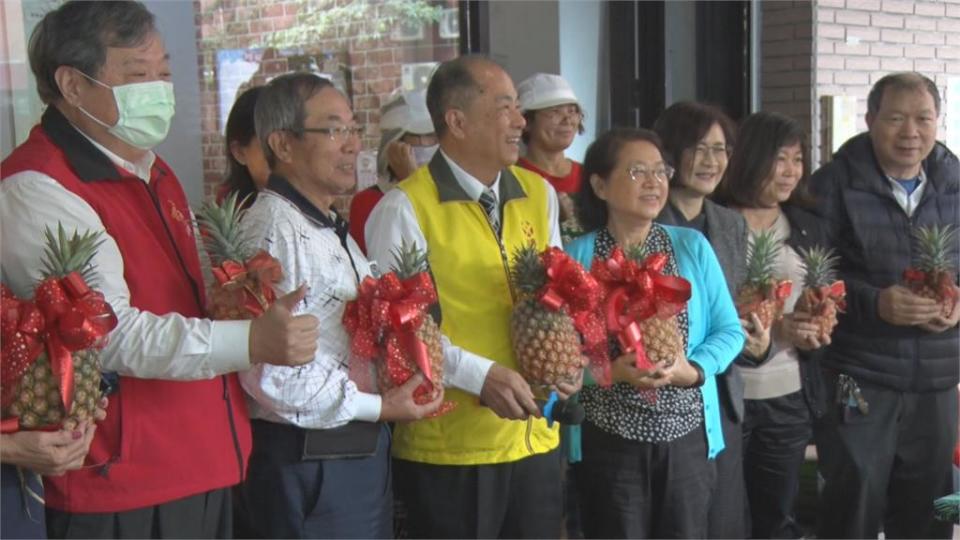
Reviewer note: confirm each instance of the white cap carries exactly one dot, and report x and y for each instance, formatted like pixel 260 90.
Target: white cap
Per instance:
pixel 406 111
pixel 543 90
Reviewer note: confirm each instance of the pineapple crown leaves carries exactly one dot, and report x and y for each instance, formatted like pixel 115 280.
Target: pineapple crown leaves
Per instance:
pixel 934 248
pixel 820 266
pixel 65 254
pixel 527 272
pixel 762 253
pixel 223 238
pixel 409 260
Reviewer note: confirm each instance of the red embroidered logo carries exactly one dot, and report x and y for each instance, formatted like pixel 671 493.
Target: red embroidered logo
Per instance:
pixel 178 216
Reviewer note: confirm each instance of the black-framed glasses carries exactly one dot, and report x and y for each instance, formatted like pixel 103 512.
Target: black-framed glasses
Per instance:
pixel 339 134
pixel 660 174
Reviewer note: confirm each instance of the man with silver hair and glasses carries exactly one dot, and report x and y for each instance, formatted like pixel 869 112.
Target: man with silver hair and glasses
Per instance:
pixel 407 141
pixel 885 443
pixel 176 435
pixel 320 466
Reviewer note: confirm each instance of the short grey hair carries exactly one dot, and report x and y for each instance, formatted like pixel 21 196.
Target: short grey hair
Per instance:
pixel 78 33
pixel 907 80
pixel 280 107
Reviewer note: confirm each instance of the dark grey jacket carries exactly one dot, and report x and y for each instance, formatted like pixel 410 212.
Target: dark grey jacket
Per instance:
pixel 727 233
pixel 872 234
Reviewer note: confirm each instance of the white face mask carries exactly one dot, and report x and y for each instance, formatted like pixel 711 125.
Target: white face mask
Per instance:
pixel 144 112
pixel 423 154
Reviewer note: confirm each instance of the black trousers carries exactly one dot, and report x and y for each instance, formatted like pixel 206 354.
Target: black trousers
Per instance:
pixel 726 517
pixel 631 489
pixel 287 497
pixel 897 457
pixel 776 432
pixel 207 515
pixel 521 499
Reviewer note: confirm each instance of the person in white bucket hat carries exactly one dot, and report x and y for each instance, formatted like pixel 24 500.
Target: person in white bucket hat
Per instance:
pixel 407 141
pixel 554 117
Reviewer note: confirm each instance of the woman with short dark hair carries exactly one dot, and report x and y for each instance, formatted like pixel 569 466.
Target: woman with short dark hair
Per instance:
pixel 697 140
pixel 648 438
pixel 767 183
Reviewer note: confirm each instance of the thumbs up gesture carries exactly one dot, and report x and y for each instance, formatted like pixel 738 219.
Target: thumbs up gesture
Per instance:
pixel 279 337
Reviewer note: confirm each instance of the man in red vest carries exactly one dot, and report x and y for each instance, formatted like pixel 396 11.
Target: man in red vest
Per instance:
pixel 177 435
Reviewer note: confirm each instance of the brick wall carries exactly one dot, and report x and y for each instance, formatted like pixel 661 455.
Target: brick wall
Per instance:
pixel 859 41
pixel 786 57
pixel 357 37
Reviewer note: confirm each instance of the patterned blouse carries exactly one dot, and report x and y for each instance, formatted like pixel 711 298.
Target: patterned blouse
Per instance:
pixel 659 415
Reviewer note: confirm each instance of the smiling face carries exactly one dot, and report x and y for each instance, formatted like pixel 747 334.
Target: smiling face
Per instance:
pixel 705 163
pixel 554 128
pixel 903 130
pixel 636 197
pixel 783 178
pixel 326 163
pixel 492 122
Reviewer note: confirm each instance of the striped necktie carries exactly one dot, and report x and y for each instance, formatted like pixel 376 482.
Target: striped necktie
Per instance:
pixel 489 202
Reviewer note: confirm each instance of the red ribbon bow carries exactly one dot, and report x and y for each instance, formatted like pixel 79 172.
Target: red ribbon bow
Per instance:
pixel 570 285
pixel 391 305
pixel 836 291
pixel 76 318
pixel 254 280
pixel 944 286
pixel 21 326
pixel 636 292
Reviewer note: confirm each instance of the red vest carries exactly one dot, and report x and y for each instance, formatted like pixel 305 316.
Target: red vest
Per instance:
pixel 162 440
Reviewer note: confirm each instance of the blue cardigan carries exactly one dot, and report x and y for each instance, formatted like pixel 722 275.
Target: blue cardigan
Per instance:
pixel 715 336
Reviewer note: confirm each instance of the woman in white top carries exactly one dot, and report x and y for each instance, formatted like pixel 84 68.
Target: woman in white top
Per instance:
pixel 766 182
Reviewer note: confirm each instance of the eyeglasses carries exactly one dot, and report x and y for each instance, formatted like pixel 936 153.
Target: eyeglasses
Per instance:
pixel 339 134
pixel 660 174
pixel 718 151
pixel 555 115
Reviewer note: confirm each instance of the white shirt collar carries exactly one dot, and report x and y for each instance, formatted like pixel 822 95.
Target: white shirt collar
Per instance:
pixel 908 201
pixel 140 169
pixel 473 187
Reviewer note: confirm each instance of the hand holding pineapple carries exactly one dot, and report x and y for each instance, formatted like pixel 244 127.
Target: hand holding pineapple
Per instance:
pixel 931 302
pixel 800 330
pixel 49 453
pixel 398 404
pixel 677 373
pixel 823 296
pixel 758 337
pixel 762 293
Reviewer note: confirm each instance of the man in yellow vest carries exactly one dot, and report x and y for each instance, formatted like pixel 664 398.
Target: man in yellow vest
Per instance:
pixel 490 468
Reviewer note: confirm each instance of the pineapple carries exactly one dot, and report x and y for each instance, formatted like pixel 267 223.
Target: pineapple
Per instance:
pixel 35 399
pixel 662 340
pixel 226 244
pixel 762 293
pixel 933 273
pixel 822 294
pixel 545 341
pixel 409 261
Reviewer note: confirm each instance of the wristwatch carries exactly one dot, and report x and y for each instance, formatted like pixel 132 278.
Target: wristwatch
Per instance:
pixel 700 376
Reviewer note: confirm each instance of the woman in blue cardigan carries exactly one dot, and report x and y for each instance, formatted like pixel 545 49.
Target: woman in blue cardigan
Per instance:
pixel 646 469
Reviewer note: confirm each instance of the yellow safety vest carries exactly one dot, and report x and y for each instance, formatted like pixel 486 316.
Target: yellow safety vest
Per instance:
pixel 470 268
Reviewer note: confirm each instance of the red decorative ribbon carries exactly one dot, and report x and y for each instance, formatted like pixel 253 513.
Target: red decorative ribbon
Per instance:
pixel 636 292
pixel 391 305
pixel 255 278
pixel 21 327
pixel 944 285
pixel 836 291
pixel 782 290
pixel 77 318
pixel 570 285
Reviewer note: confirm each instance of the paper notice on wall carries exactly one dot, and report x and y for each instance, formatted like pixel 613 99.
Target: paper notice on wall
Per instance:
pixel 843 120
pixel 952 116
pixel 366 169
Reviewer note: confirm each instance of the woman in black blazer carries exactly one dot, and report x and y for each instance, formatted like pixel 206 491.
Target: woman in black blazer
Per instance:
pixel 697 140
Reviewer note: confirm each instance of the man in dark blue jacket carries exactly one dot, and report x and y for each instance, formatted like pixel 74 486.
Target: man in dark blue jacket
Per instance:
pixel 892 371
